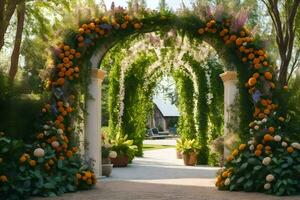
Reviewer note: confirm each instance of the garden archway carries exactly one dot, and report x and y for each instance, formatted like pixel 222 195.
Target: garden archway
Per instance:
pixel 93 128
pixel 94 38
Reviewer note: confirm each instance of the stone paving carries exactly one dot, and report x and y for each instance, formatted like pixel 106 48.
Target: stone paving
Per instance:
pixel 160 176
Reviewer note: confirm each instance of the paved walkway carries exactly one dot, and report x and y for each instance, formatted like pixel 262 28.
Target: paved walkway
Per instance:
pixel 160 176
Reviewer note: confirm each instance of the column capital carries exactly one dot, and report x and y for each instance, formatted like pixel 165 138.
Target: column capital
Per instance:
pixel 228 76
pixel 98 73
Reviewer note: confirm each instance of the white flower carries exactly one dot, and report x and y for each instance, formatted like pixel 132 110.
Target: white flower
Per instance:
pixel 284 144
pixel 39 152
pixel 274 113
pixel 264 120
pixel 266 160
pixel 259 122
pixel 256 127
pixel 113 154
pixel 46 126
pixel 55 144
pixel 267 186
pixel 251 131
pixel 277 138
pixel 227 181
pixel 270 178
pixel 250 142
pixel 60 131
pixel 251 147
pixel 255 121
pixel 67 105
pixel 106 145
pixel 296 145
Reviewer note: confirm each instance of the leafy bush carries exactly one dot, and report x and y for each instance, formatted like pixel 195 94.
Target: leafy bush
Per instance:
pixel 123 146
pixel 21 110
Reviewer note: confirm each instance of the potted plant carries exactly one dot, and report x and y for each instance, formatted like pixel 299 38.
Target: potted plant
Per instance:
pixel 106 155
pixel 189 152
pixel 124 148
pixel 179 144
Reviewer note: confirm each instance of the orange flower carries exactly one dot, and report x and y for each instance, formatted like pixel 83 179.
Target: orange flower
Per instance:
pixel 201 31
pixel 242 147
pixel 268 148
pixel 230 158
pixel 259 147
pixel 268 75
pixel 22 159
pixel 252 81
pixel 258 153
pixel 3 178
pixel 281 119
pixel 268 138
pixel 239 41
pixel 256 75
pixel 137 25
pixel 251 56
pixel 81 30
pixel 61 81
pixel 271 129
pixel 256 60
pixel 232 38
pixel 69 154
pixel 32 163
pixel 290 149
pixel 235 152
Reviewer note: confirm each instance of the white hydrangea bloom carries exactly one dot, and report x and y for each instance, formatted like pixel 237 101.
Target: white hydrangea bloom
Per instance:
pixel 267 186
pixel 270 178
pixel 266 161
pixel 277 138
pixel 227 181
pixel 284 144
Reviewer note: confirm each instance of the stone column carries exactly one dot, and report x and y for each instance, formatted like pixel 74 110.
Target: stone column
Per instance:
pixel 230 90
pixel 93 121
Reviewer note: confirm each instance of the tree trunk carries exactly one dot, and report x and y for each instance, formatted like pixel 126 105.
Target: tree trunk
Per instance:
pixel 18 39
pixel 7 9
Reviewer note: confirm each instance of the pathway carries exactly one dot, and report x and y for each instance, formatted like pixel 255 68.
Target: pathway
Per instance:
pixel 160 176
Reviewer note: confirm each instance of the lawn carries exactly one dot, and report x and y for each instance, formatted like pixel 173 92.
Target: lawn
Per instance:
pixel 147 147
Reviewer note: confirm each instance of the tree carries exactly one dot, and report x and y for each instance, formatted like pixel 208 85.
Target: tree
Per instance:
pixel 7 9
pixel 283 17
pixel 18 39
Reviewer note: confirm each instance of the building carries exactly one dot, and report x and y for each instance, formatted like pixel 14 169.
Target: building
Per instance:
pixel 164 116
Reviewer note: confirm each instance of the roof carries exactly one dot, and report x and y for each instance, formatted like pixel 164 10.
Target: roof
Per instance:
pixel 166 108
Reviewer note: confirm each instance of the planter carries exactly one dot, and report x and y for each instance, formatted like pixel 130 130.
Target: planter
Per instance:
pixel 107 169
pixel 120 161
pixel 178 154
pixel 190 159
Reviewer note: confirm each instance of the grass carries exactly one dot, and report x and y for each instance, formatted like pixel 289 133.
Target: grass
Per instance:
pixel 147 147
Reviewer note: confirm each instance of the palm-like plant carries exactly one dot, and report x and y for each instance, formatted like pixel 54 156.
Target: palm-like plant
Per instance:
pixel 123 146
pixel 189 146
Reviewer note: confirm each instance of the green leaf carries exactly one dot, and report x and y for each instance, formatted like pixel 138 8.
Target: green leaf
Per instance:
pixel 256 168
pixel 59 164
pixel 49 186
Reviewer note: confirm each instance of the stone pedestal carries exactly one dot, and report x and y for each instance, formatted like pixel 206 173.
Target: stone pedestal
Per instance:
pixel 230 91
pixel 93 121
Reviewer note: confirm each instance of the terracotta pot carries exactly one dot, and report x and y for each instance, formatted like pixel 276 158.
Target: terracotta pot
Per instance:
pixel 190 159
pixel 120 161
pixel 178 154
pixel 106 169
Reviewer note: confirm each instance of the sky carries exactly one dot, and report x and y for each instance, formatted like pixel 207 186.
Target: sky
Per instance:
pixel 153 4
